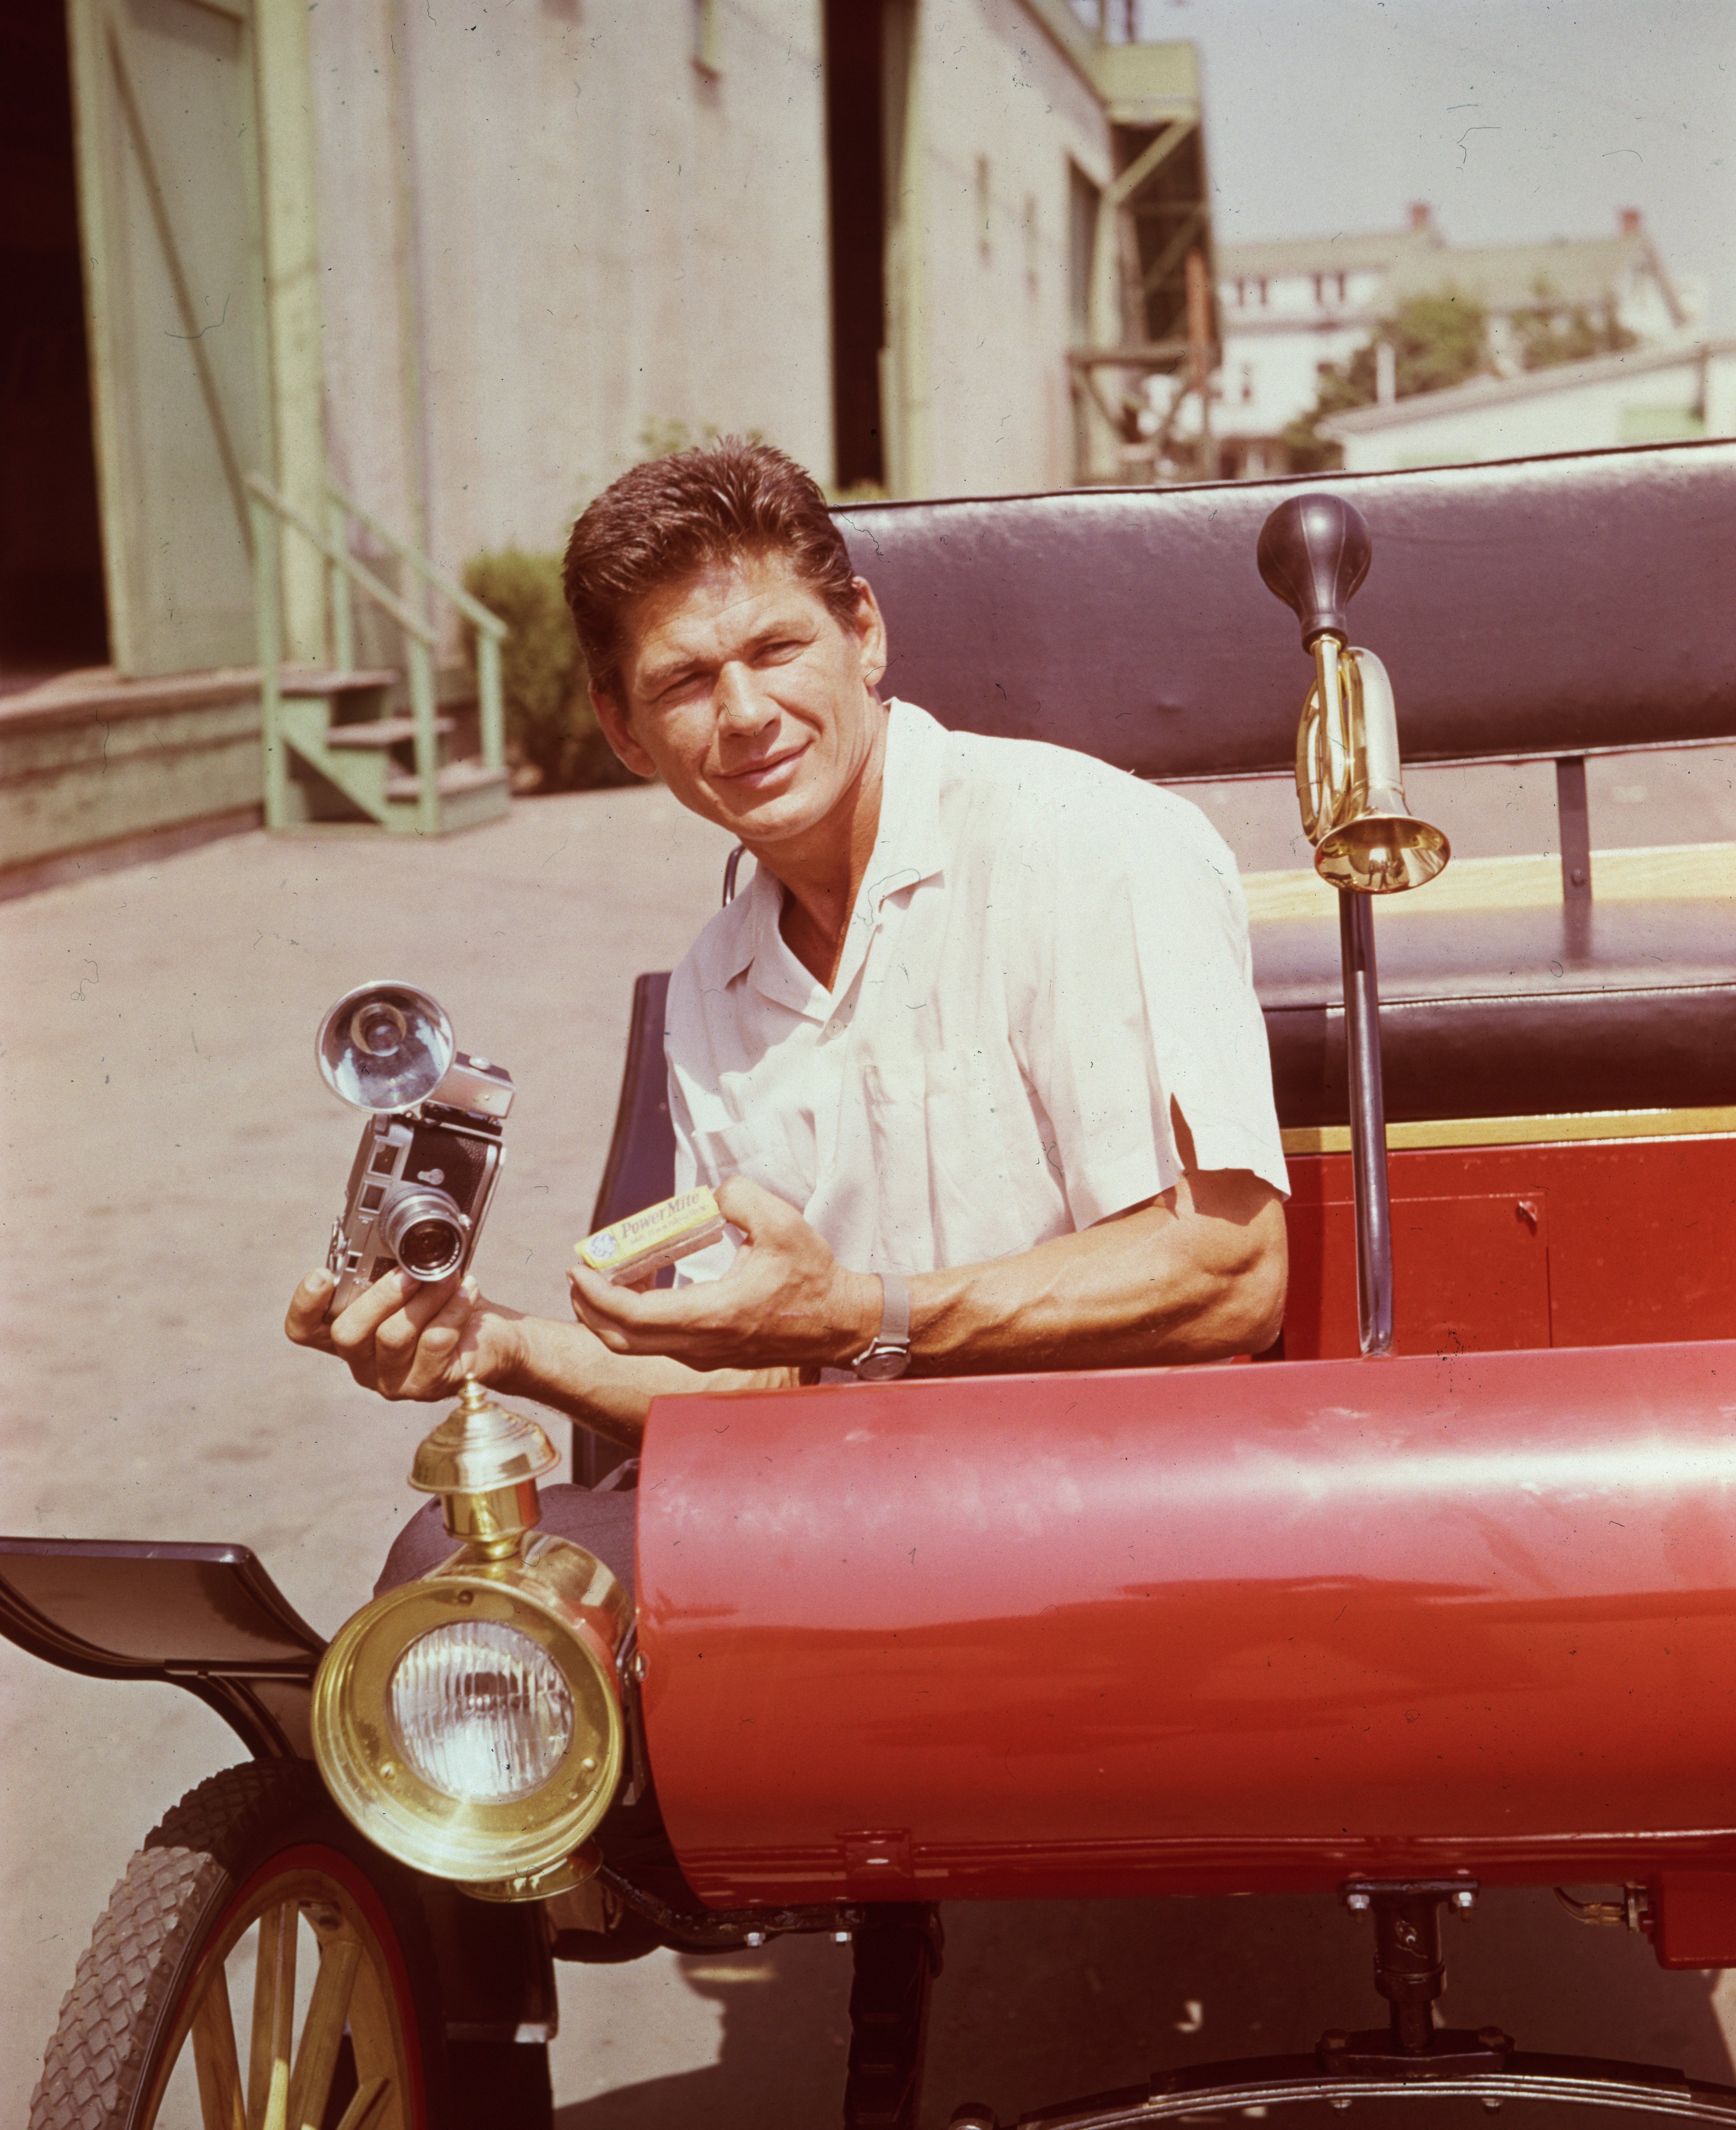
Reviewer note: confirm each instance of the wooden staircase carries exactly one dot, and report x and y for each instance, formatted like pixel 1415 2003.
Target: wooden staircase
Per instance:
pixel 352 758
pixel 369 744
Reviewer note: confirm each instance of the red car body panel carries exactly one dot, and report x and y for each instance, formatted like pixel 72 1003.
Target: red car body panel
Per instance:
pixel 1206 1629
pixel 1603 1242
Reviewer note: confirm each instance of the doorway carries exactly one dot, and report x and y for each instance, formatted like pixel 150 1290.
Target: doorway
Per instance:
pixel 53 614
pixel 855 135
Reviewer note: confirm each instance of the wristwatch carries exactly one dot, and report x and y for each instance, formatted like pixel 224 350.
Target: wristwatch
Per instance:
pixel 890 1354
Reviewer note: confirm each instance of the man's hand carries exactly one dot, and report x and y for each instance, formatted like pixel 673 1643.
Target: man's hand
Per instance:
pixel 785 1301
pixel 406 1338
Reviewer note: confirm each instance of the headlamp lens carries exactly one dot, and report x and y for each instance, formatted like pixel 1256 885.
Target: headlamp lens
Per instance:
pixel 480 1711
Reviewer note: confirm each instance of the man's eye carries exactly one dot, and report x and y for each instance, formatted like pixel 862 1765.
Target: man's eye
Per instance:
pixel 683 684
pixel 779 651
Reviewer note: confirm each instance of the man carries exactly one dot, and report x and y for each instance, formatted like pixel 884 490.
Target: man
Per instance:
pixel 974 1062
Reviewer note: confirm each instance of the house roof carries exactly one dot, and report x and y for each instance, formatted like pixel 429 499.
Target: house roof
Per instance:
pixel 1504 277
pixel 1586 270
pixel 1354 252
pixel 1529 385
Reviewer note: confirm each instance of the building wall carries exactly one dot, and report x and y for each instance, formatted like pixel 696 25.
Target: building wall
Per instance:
pixel 1270 376
pixel 1655 405
pixel 550 241
pixel 550 238
pixel 1004 115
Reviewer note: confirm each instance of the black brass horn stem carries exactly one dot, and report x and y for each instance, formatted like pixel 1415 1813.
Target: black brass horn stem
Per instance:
pixel 1368 1122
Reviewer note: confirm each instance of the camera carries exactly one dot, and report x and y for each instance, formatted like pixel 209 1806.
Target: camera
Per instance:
pixel 431 1152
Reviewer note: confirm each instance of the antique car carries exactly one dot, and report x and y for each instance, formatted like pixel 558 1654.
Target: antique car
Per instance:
pixel 1436 1595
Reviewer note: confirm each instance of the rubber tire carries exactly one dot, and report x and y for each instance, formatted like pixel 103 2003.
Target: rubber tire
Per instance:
pixel 116 2018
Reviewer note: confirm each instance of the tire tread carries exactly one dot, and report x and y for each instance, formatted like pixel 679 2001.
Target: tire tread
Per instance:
pixel 127 1976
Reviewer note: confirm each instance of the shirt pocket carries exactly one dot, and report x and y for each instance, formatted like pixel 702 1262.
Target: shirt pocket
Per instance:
pixel 759 1149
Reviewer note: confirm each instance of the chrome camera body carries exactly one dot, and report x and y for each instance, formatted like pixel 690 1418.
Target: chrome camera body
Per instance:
pixel 431 1151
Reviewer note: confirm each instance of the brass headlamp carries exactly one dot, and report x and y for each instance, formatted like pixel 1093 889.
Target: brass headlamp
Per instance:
pixel 469 1723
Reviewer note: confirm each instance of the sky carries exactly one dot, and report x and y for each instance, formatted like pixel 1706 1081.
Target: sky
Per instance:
pixel 1516 120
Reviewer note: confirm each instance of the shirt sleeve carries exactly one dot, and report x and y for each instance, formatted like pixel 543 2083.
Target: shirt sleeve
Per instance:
pixel 1147 998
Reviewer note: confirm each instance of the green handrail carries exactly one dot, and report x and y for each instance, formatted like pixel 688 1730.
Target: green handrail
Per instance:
pixel 270 511
pixel 491 632
pixel 345 574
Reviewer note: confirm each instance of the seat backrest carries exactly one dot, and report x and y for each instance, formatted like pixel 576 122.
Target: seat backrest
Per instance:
pixel 640 1170
pixel 1539 608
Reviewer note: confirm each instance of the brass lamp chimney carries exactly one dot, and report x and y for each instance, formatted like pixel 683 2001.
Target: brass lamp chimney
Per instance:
pixel 484 1463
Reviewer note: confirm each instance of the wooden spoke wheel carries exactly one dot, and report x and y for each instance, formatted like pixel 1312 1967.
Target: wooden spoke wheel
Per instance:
pixel 256 1969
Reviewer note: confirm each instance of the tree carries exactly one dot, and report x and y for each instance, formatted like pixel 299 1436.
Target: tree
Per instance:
pixel 1548 334
pixel 1437 340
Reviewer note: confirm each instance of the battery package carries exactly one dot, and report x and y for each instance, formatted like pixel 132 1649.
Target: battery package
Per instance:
pixel 633 1252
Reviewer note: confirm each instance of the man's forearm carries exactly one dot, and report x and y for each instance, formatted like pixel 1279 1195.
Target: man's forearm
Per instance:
pixel 564 1366
pixel 1151 1286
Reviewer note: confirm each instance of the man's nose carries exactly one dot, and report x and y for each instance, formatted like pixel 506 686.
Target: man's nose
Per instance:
pixel 742 710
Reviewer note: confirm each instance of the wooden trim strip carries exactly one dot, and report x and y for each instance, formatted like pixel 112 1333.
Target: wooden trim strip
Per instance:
pixel 1671 873
pixel 1525 1131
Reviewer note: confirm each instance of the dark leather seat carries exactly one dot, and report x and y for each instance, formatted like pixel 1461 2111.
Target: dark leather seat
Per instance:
pixel 1610 1005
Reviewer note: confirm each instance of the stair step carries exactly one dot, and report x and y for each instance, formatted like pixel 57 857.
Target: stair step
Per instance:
pixel 317 680
pixel 454 780
pixel 382 732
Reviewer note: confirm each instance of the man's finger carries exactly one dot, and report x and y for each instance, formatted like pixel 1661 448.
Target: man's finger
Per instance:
pixel 305 1321
pixel 652 1311
pixel 752 1208
pixel 441 1344
pixel 426 1301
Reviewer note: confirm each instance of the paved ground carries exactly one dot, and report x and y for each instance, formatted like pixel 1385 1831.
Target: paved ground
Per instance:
pixel 172 1165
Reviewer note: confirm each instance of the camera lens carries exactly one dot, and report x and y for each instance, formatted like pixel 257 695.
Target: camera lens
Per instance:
pixel 378 1029
pixel 425 1232
pixel 430 1248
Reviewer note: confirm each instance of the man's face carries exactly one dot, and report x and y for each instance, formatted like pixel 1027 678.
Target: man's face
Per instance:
pixel 749 696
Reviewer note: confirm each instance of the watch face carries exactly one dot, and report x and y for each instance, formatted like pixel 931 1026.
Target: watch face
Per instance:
pixel 881 1364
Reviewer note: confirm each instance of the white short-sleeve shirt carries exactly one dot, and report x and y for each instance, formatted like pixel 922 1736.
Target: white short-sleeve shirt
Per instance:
pixel 1045 953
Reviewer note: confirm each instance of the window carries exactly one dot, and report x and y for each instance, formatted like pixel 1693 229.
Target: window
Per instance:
pixel 1082 199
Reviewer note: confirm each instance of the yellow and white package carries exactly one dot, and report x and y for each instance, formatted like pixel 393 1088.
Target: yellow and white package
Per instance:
pixel 634 1251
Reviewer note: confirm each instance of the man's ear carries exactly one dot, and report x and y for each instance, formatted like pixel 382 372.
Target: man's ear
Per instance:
pixel 619 733
pixel 870 628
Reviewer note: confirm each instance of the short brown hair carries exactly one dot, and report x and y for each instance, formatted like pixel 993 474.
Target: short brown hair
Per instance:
pixel 672 517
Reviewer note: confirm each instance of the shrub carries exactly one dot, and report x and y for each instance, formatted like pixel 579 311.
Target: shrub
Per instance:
pixel 552 738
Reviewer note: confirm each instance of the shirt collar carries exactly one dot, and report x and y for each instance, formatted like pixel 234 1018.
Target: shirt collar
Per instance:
pixel 906 850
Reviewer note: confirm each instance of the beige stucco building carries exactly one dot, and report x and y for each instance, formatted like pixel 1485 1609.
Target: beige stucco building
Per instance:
pixel 465 266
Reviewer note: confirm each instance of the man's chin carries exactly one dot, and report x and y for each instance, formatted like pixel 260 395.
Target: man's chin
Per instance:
pixel 772 819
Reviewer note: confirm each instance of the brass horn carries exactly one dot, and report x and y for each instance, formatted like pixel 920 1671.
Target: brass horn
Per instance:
pixel 1314 551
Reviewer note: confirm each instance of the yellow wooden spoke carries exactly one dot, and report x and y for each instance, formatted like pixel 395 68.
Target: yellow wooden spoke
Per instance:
pixel 375 2036
pixel 220 2105
pixel 363 2112
pixel 274 2019
pixel 316 2057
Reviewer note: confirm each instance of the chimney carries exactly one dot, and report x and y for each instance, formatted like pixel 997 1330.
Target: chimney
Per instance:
pixel 1421 217
pixel 1628 221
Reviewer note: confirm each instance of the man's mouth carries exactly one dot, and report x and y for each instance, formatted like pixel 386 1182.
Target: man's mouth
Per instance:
pixel 756 776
